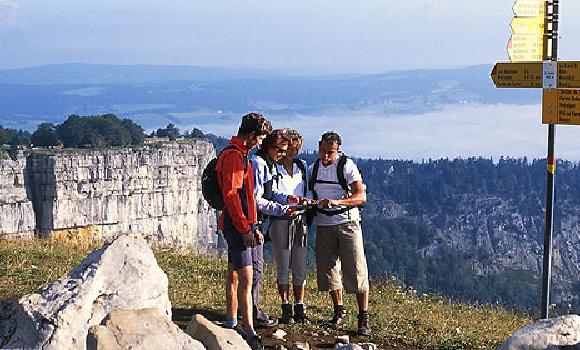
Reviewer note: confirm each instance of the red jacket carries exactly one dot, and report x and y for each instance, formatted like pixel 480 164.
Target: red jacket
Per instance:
pixel 232 180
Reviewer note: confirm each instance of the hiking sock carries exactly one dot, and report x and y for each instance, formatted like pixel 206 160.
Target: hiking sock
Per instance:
pixel 231 322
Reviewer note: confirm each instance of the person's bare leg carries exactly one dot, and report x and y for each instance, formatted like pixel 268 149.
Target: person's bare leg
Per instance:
pixel 363 301
pixel 336 296
pixel 245 276
pixel 298 294
pixel 284 291
pixel 231 293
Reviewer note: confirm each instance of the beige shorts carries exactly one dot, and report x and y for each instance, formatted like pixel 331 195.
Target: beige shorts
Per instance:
pixel 340 256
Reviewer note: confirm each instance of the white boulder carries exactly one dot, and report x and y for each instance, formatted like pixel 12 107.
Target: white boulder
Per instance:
pixel 551 334
pixel 147 329
pixel 122 275
pixel 214 337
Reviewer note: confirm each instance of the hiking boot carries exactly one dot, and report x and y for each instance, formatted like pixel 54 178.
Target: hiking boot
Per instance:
pixel 286 314
pixel 339 318
pixel 254 341
pixel 263 320
pixel 300 314
pixel 363 324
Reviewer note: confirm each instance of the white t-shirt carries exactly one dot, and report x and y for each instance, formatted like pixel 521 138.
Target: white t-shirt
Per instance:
pixel 335 191
pixel 291 184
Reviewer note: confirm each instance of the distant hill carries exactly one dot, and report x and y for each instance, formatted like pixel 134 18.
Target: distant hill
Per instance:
pixel 156 95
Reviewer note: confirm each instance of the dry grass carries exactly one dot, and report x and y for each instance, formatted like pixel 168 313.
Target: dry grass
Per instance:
pixel 399 316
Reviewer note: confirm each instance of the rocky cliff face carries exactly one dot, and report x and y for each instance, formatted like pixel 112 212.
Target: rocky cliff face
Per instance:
pixel 16 214
pixel 155 190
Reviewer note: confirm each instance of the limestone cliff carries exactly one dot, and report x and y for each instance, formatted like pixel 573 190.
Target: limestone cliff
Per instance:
pixel 153 190
pixel 16 214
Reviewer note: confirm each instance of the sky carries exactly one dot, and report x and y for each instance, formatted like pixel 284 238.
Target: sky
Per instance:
pixel 338 35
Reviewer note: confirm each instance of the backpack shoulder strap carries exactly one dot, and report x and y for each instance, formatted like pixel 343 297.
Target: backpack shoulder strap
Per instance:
pixel 302 168
pixel 314 177
pixel 340 172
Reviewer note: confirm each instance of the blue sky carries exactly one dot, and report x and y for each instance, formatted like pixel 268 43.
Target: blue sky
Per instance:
pixel 342 35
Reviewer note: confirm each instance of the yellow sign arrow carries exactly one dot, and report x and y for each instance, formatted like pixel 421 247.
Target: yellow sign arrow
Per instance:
pixel 517 75
pixel 525 48
pixel 561 106
pixel 528 25
pixel 529 8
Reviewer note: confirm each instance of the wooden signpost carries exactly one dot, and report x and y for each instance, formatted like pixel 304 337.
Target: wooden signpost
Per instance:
pixel 533 53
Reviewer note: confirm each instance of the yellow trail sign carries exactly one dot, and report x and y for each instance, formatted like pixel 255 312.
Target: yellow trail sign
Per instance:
pixel 529 8
pixel 561 106
pixel 569 74
pixel 517 75
pixel 528 25
pixel 530 74
pixel 526 48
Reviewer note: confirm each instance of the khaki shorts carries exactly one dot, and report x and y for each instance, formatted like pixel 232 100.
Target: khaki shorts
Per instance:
pixel 340 255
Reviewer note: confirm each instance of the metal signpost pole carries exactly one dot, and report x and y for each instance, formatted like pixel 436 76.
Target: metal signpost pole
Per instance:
pixel 552 11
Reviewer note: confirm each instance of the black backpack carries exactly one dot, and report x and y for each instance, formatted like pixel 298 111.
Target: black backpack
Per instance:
pixel 210 187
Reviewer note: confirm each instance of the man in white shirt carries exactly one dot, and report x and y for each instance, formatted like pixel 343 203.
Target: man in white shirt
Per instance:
pixel 340 260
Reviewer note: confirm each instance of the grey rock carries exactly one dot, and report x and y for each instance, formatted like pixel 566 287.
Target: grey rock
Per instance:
pixel 299 345
pixel 342 339
pixel 214 337
pixel 552 334
pixel 147 329
pixel 123 275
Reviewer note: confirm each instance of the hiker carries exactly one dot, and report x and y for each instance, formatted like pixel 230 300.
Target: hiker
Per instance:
pixel 289 234
pixel 238 221
pixel 269 202
pixel 336 183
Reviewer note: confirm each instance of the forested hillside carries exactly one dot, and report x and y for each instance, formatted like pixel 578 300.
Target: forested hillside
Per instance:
pixel 472 228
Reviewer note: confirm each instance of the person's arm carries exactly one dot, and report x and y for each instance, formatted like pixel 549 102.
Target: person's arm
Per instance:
pixel 232 174
pixel 265 206
pixel 358 196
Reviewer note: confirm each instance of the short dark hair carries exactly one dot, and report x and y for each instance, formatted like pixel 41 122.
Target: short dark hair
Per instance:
pixel 331 138
pixel 254 123
pixel 275 137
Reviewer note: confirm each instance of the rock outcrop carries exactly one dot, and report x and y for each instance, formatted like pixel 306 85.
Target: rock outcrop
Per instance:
pixel 147 329
pixel 154 190
pixel 122 275
pixel 17 217
pixel 552 334
pixel 214 337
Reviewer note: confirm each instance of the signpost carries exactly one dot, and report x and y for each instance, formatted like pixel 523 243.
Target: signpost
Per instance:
pixel 531 75
pixel 535 41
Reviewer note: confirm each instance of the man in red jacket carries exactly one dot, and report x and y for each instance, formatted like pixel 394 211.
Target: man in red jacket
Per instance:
pixel 238 220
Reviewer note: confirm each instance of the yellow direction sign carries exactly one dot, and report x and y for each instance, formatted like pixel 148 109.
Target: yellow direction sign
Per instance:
pixel 525 48
pixel 561 106
pixel 530 74
pixel 569 74
pixel 529 8
pixel 528 25
pixel 517 75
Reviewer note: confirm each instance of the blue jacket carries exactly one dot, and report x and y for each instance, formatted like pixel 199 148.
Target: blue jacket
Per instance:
pixel 268 202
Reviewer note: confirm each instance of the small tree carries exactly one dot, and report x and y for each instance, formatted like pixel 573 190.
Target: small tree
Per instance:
pixel 45 135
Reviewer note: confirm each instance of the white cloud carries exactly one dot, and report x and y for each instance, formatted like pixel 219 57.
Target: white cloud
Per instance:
pixel 455 131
